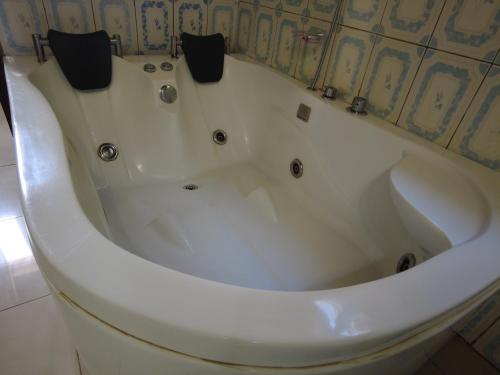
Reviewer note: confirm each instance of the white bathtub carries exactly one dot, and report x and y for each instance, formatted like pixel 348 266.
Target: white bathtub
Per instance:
pixel 255 271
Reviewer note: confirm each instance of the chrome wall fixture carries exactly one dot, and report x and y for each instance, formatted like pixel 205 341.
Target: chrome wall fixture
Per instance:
pixel 329 37
pixel 329 93
pixel 39 43
pixel 358 106
pixel 310 38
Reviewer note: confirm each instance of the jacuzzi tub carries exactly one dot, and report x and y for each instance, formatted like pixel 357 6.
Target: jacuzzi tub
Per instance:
pixel 256 270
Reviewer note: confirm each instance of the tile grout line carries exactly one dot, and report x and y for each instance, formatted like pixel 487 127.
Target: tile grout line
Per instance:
pixel 448 144
pixel 25 302
pixel 11 218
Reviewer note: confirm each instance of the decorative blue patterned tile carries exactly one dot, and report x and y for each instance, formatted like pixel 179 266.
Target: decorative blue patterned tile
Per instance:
pixel 222 18
pixel 478 136
pixel 154 22
pixel 268 3
pixel 71 16
pixel 470 28
pixel 348 62
pixel 411 20
pixel 18 20
pixel 190 17
pixel 363 14
pixel 117 17
pixel 310 53
pixel 293 6
pixel 393 65
pixel 265 30
pixel 443 88
pixel 246 29
pixel 287 43
pixel 322 9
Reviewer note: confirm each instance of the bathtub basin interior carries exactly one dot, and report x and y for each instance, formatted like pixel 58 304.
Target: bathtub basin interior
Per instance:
pixel 254 267
pixel 247 221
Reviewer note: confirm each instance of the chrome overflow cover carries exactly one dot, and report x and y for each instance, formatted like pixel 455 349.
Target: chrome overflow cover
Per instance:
pixel 219 136
pixel 296 168
pixel 149 68
pixel 168 93
pixel 107 152
pixel 166 66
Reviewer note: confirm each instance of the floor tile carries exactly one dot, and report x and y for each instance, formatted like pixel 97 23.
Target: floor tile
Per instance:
pixel 10 206
pixel 34 340
pixel 7 155
pixel 20 278
pixel 429 369
pixel 457 358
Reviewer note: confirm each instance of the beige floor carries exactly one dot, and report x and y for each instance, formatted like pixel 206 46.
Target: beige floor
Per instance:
pixel 33 338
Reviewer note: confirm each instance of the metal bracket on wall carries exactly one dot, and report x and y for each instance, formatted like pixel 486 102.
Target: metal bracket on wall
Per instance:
pixel 39 43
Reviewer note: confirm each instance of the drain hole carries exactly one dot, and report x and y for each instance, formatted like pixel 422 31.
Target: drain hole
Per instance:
pixel 406 262
pixel 190 187
pixel 296 168
pixel 219 136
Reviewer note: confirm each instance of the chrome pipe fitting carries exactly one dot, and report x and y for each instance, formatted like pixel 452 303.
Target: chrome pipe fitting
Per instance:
pixel 39 43
pixel 330 93
pixel 174 46
pixel 358 106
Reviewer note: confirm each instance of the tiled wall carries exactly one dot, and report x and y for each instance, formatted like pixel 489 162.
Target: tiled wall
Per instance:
pixel 145 26
pixel 429 66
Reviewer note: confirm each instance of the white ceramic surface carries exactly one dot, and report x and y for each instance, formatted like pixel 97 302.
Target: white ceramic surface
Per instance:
pixel 345 187
pixel 35 340
pixel 20 278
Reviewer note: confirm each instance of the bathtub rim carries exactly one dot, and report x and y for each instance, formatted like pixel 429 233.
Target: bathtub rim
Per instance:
pixel 65 260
